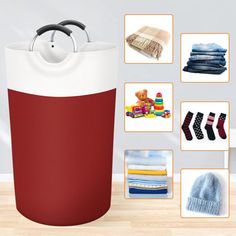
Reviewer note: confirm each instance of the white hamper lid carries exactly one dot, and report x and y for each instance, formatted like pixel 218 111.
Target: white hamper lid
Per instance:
pixel 53 72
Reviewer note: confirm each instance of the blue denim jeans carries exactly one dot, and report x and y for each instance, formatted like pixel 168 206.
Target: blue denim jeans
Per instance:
pixel 213 63
pixel 209 47
pixel 204 69
pixel 208 53
pixel 206 57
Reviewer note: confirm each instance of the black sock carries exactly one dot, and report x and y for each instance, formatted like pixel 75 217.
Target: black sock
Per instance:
pixel 208 126
pixel 197 126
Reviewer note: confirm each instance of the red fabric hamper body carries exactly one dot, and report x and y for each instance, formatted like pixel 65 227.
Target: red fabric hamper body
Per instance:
pixel 58 178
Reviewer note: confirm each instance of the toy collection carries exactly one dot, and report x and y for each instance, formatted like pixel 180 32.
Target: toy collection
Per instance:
pixel 146 107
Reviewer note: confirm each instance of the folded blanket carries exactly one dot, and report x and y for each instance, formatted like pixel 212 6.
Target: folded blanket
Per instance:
pixel 147 172
pixel 149 40
pixel 147 167
pixel 147 191
pixel 148 177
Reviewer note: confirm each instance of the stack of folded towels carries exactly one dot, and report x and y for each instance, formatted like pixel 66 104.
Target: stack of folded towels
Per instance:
pixel 147 175
pixel 206 59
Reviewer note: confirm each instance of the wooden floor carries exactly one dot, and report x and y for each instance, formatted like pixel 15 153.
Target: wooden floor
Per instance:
pixel 126 217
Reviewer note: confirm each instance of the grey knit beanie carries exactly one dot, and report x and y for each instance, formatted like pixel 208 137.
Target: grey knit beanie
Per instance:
pixel 205 195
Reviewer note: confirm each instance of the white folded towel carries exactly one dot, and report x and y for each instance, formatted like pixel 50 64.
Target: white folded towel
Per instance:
pixel 146 167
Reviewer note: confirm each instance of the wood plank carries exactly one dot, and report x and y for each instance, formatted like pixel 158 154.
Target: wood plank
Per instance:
pixel 126 217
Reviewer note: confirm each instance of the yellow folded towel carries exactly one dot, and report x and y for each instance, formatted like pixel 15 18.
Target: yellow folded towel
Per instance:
pixel 147 172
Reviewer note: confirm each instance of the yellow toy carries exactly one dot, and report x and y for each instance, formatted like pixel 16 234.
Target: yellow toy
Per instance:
pixel 150 115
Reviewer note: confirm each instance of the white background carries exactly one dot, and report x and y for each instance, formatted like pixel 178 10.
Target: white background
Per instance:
pixel 188 176
pixel 205 108
pixel 149 124
pixel 169 167
pixel 134 23
pixel 187 41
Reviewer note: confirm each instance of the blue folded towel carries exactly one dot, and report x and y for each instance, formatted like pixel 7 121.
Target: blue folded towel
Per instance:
pixel 147 191
pixel 147 157
pixel 147 182
pixel 148 177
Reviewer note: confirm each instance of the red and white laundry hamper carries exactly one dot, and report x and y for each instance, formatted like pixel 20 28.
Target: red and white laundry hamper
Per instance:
pixel 62 122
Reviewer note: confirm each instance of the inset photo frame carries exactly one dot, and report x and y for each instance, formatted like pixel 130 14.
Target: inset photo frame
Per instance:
pixel 149 38
pixel 148 107
pixel 205 125
pixel 205 193
pixel 148 174
pixel 205 57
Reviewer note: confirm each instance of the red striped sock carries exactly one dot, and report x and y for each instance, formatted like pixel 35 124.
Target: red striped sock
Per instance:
pixel 208 126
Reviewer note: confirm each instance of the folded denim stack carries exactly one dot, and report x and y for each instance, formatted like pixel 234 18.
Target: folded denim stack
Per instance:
pixel 206 59
pixel 147 176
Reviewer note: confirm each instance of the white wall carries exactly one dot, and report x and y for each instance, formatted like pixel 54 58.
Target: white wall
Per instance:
pixel 104 18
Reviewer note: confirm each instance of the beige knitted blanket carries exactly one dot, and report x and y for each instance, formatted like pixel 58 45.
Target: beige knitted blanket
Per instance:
pixel 149 41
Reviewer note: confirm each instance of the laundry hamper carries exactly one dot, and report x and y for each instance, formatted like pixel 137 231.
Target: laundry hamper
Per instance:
pixel 62 121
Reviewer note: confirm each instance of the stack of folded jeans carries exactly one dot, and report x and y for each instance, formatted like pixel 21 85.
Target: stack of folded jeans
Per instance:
pixel 206 59
pixel 147 175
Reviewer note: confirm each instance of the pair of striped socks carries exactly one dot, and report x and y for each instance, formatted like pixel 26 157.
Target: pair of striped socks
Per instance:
pixel 208 127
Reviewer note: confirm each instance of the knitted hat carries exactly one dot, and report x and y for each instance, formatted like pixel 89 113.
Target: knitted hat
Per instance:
pixel 205 195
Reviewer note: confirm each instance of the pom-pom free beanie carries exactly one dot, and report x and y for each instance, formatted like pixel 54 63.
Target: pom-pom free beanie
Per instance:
pixel 205 195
